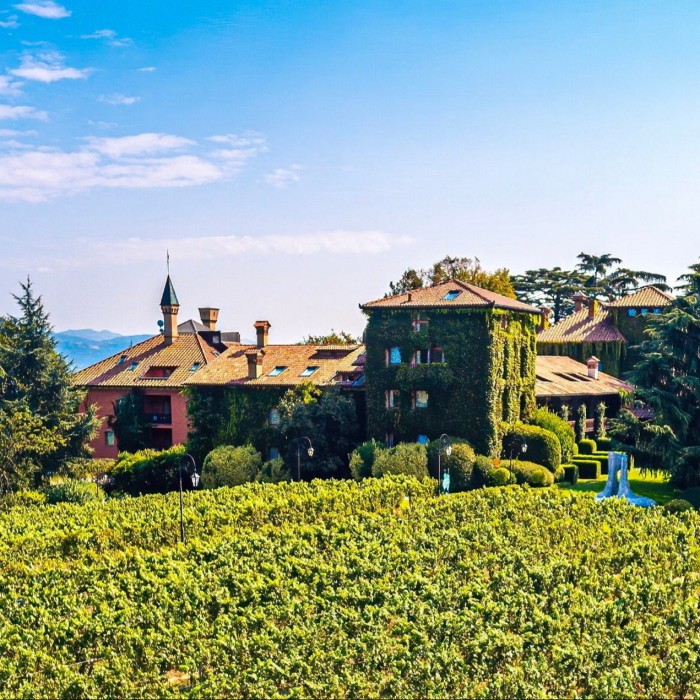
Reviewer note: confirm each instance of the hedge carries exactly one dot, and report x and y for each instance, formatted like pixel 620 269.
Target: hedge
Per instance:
pixel 561 428
pixel 530 473
pixel 543 446
pixel 362 459
pixel 604 444
pixel 587 446
pixel 408 458
pixel 461 465
pixel 571 473
pixel 231 466
pixel 73 491
pixel 588 468
pixel 601 457
pixel 678 505
pixel 147 471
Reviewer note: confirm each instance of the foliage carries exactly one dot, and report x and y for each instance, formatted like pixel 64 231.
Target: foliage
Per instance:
pixel 231 466
pixel 482 469
pixel 587 468
pixel 600 420
pixel 678 505
pixel 544 418
pixel 500 477
pixel 409 458
pixel 463 269
pixel 22 499
pixel 460 463
pixel 530 473
pixel 73 491
pixel 332 338
pixel 131 426
pixel 362 459
pixel 36 395
pixel 552 288
pixel 604 444
pixel 587 446
pixel 274 471
pixel 580 425
pixel 148 471
pixel 571 473
pixel 543 446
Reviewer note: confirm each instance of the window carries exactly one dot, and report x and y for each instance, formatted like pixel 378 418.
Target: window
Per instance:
pixel 657 311
pixel 420 322
pixel 195 366
pixel 273 453
pixel 393 397
pixel 452 294
pixel 644 312
pixel 274 417
pixel 422 440
pixel 421 357
pixel 437 355
pixel 632 312
pixel 308 371
pixel 121 360
pixel 109 438
pixel 420 399
pixel 393 356
pixel 133 365
pixel 277 371
pixel 390 439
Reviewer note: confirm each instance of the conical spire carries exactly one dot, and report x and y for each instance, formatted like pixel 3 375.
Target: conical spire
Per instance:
pixel 169 297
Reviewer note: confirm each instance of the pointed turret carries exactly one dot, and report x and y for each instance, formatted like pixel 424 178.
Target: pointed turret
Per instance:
pixel 170 306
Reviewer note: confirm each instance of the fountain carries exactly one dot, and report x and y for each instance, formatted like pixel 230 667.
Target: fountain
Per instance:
pixel 618 465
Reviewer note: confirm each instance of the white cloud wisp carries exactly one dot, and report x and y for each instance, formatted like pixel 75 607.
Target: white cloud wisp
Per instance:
pixel 48 68
pixel 22 112
pixel 47 9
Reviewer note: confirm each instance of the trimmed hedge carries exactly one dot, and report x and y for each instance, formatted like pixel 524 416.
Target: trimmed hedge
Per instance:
pixel 601 457
pixel 274 471
pixel 461 465
pixel 559 475
pixel 587 446
pixel 408 458
pixel 588 468
pixel 147 471
pixel 500 477
pixel 604 444
pixel 362 459
pixel 678 505
pixel 571 473
pixel 230 466
pixel 561 428
pixel 532 474
pixel 543 446
pixel 482 470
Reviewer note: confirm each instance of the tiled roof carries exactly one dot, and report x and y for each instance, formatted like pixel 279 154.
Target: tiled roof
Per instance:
pixel 231 368
pixel 648 296
pixel 181 356
pixel 562 376
pixel 469 296
pixel 580 328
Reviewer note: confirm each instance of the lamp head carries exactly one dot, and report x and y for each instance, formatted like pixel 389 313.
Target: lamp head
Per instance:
pixel 310 451
pixel 195 479
pixel 448 450
pixel 524 447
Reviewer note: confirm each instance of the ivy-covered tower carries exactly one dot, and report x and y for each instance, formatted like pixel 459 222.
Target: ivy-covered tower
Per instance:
pixel 452 358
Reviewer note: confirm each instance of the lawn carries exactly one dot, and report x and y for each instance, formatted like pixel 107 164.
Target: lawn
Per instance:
pixel 654 486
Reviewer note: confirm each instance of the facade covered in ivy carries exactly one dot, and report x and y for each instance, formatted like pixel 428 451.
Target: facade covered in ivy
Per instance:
pixel 451 358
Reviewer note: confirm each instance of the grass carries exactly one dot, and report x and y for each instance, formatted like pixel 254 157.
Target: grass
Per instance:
pixel 654 486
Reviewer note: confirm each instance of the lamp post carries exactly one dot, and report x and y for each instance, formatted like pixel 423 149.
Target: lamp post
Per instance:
pixel 309 451
pixel 516 440
pixel 185 462
pixel 444 445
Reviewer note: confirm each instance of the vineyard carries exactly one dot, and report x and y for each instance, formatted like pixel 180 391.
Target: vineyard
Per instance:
pixel 334 589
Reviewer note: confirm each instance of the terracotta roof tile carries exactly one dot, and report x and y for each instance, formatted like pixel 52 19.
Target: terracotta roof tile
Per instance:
pixel 562 376
pixel 580 328
pixel 469 296
pixel 648 296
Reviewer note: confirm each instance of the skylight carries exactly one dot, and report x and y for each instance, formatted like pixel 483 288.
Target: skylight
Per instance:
pixel 277 371
pixel 195 366
pixel 308 371
pixel 452 294
pixel 133 365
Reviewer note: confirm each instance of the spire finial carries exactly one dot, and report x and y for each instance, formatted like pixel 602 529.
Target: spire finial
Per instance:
pixel 167 260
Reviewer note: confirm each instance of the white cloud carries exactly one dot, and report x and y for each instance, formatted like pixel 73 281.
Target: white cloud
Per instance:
pixel 141 144
pixel 10 23
pixel 8 86
pixel 22 112
pixel 146 69
pixel 44 8
pixel 110 36
pixel 238 141
pixel 10 133
pixel 118 99
pixel 48 68
pixel 283 177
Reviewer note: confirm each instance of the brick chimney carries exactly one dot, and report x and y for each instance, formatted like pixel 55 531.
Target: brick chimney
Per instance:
pixel 593 363
pixel 209 316
pixel 546 313
pixel 255 360
pixel 593 307
pixel 579 300
pixel 262 330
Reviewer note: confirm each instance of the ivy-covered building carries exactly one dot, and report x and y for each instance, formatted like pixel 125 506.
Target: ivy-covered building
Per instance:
pixel 451 358
pixel 608 331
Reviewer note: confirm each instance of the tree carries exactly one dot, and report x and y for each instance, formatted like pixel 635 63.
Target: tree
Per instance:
pixel 332 338
pixel 131 424
pixel 553 288
pixel 36 388
pixel 463 269
pixel 596 266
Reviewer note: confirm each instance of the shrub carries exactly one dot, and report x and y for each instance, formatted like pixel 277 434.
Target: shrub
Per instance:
pixel 274 471
pixel 87 468
pixel 599 420
pixel 482 469
pixel 435 446
pixel 587 447
pixel 362 459
pixel 601 457
pixel 559 474
pixel 22 498
pixel 532 474
pixel 230 466
pixel 500 477
pixel 461 465
pixel 561 428
pixel 73 491
pixel 580 425
pixel 571 473
pixel 588 468
pixel 408 458
pixel 604 444
pixel 678 505
pixel 147 471
pixel 543 446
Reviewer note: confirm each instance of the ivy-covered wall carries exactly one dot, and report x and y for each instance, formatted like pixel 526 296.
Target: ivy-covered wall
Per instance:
pixel 612 355
pixel 488 375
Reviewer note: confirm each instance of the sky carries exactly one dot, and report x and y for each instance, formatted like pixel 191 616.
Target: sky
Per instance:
pixel 294 157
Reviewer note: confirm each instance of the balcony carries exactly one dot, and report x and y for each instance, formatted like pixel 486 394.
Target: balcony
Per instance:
pixel 159 418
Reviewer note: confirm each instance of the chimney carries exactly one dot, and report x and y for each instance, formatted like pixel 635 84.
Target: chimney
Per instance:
pixel 593 363
pixel 255 359
pixel 410 298
pixel 169 305
pixel 579 300
pixel 262 329
pixel 209 317
pixel 546 313
pixel 593 307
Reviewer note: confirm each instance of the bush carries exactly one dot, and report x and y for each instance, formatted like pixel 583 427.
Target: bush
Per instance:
pixel 543 446
pixel 408 458
pixel 587 447
pixel 580 425
pixel 571 473
pixel 461 465
pixel 230 466
pixel 87 468
pixel 147 471
pixel 601 457
pixel 482 469
pixel 362 459
pixel 532 474
pixel 500 477
pixel 604 444
pixel 22 498
pixel 274 471
pixel 678 505
pixel 559 474
pixel 434 447
pixel 73 491
pixel 561 428
pixel 588 468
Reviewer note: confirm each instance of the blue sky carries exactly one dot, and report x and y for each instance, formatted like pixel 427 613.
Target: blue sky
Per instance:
pixel 295 157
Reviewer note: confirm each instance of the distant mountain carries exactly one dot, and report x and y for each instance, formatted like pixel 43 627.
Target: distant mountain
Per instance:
pixel 86 346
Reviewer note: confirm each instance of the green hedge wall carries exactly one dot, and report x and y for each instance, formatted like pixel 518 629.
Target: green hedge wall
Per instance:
pixel 543 446
pixel 587 468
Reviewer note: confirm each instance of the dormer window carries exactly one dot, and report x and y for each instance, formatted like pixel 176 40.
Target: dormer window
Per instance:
pixel 122 360
pixel 308 371
pixel 452 294
pixel 133 365
pixel 420 322
pixel 155 372
pixel 277 371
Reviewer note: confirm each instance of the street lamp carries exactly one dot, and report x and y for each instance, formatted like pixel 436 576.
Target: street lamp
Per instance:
pixel 309 451
pixel 445 446
pixel 514 441
pixel 187 462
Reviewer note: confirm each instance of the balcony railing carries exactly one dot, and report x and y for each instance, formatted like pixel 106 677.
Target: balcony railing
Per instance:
pixel 160 418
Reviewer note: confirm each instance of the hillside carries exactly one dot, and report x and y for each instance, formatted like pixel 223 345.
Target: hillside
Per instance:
pixel 332 589
pixel 86 346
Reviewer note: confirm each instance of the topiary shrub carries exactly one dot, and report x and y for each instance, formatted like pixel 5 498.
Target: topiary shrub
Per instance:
pixel 461 465
pixel 571 473
pixel 500 477
pixel 599 420
pixel 587 447
pixel 561 428
pixel 73 491
pixel 408 458
pixel 580 425
pixel 588 468
pixel 436 447
pixel 559 475
pixel 532 474
pixel 604 444
pixel 362 459
pixel 147 471
pixel 482 469
pixel 678 505
pixel 230 466
pixel 601 457
pixel 274 471
pixel 543 446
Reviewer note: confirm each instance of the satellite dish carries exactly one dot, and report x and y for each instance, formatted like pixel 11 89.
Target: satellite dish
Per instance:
pixel 161 323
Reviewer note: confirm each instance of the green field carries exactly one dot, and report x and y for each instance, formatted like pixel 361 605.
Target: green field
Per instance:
pixel 332 590
pixel 653 485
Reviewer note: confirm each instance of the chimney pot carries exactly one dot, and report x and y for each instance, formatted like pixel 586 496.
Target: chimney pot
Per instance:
pixel 579 300
pixel 255 359
pixel 262 330
pixel 593 364
pixel 209 316
pixel 593 307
